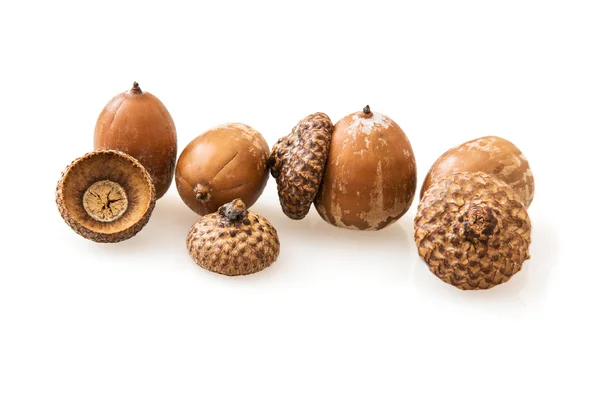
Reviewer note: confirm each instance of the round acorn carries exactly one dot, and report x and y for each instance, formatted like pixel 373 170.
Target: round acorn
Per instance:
pixel 297 163
pixel 233 241
pixel 492 155
pixel 472 230
pixel 138 123
pixel 105 196
pixel 220 165
pixel 370 174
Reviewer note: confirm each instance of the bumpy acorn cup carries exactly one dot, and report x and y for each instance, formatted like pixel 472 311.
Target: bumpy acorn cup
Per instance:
pixel 297 163
pixel 472 230
pixel 106 196
pixel 233 241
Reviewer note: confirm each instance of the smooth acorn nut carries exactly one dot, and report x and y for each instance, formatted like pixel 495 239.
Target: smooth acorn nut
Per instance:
pixel 492 155
pixel 137 123
pixel 370 175
pixel 105 196
pixel 233 241
pixel 472 230
pixel 297 162
pixel 220 165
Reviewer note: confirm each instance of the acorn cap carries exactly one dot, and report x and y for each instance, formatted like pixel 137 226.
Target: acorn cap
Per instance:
pixel 472 230
pixel 297 162
pixel 105 196
pixel 233 241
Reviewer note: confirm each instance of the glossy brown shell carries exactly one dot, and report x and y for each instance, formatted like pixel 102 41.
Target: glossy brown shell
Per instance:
pixel 97 166
pixel 226 162
pixel 242 245
pixel 370 175
pixel 492 155
pixel 138 123
pixel 472 231
pixel 298 161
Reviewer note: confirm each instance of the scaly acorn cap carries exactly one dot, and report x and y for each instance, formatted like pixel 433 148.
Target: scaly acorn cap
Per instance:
pixel 233 241
pixel 472 231
pixel 105 196
pixel 297 162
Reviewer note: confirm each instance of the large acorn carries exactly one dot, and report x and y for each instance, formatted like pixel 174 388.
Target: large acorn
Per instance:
pixel 472 230
pixel 137 123
pixel 297 162
pixel 370 174
pixel 106 196
pixel 233 241
pixel 220 165
pixel 492 155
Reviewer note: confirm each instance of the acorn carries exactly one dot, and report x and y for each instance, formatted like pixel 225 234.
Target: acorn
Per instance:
pixel 105 196
pixel 233 241
pixel 297 162
pixel 492 155
pixel 472 230
pixel 370 174
pixel 138 123
pixel 222 164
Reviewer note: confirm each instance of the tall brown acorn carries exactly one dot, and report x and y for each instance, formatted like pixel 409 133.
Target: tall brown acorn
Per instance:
pixel 370 176
pixel 138 123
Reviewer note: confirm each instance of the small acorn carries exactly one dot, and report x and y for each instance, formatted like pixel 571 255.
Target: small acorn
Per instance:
pixel 138 123
pixel 472 230
pixel 297 163
pixel 492 155
pixel 105 196
pixel 233 241
pixel 222 164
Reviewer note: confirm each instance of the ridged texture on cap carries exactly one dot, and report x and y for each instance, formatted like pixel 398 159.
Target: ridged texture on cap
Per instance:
pixel 116 166
pixel 297 163
pixel 472 231
pixel 239 246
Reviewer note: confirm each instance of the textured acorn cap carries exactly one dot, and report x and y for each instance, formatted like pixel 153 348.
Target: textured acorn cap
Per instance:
pixel 233 241
pixel 105 196
pixel 297 163
pixel 472 231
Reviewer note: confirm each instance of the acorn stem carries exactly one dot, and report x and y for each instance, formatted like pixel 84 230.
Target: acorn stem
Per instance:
pixel 136 88
pixel 367 110
pixel 234 211
pixel 202 192
pixel 479 222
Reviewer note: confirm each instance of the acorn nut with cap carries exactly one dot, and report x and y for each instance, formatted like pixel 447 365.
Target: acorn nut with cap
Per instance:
pixel 472 230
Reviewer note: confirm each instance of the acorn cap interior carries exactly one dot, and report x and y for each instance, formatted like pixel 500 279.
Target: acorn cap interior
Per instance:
pixel 107 192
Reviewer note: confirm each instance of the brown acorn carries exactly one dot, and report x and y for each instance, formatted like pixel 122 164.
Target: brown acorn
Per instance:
pixel 222 164
pixel 492 155
pixel 297 162
pixel 138 123
pixel 233 241
pixel 472 230
pixel 106 196
pixel 370 175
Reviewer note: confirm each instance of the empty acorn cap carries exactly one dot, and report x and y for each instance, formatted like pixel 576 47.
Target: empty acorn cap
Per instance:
pixel 233 241
pixel 472 230
pixel 297 163
pixel 105 196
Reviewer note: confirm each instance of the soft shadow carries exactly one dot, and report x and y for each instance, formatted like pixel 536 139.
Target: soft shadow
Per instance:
pixel 167 228
pixel 388 248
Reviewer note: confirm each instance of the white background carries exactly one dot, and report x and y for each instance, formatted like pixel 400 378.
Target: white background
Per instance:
pixel 341 314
